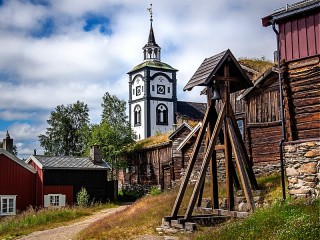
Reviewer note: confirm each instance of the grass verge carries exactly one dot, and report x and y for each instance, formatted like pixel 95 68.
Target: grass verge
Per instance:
pixel 32 220
pixel 282 221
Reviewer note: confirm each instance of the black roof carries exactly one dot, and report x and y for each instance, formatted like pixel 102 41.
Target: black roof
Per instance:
pixel 290 10
pixel 213 67
pixel 191 110
pixel 69 162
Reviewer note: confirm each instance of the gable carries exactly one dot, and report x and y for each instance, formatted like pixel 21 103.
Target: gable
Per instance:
pixel 213 69
pixel 16 160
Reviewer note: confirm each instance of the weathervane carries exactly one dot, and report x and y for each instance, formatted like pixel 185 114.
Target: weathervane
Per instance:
pixel 150 11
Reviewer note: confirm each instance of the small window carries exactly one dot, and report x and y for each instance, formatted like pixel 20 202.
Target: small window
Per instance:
pixel 54 200
pixel 8 205
pixel 152 88
pixel 241 127
pixel 162 114
pixel 168 89
pixel 149 170
pixel 133 91
pixel 137 116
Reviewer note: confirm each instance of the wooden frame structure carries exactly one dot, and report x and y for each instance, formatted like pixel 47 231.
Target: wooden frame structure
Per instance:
pixel 220 72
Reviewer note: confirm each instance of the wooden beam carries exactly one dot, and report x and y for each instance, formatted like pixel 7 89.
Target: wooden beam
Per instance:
pixel 237 149
pixel 192 161
pixel 219 147
pixel 247 163
pixel 213 166
pixel 205 162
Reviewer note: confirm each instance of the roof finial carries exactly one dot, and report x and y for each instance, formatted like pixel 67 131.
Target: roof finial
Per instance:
pixel 150 11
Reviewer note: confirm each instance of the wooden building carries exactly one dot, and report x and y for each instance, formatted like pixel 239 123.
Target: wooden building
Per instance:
pixel 262 129
pixel 162 163
pixel 60 178
pixel 299 46
pixel 17 181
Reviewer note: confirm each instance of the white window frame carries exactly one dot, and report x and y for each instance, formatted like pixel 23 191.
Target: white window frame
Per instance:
pixel 54 200
pixel 9 210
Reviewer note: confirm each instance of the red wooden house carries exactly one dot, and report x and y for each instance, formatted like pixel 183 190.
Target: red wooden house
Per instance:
pixel 60 178
pixel 17 182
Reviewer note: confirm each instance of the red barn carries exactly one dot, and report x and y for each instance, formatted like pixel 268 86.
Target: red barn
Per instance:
pixel 17 183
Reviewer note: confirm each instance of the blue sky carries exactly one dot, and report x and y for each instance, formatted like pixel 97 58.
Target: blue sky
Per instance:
pixel 58 52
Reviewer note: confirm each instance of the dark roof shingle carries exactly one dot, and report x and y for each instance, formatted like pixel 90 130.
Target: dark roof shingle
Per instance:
pixel 191 110
pixel 70 162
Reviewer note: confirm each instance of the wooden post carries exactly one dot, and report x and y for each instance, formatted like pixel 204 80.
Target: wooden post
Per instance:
pixel 205 163
pixel 227 147
pixel 192 161
pixel 238 152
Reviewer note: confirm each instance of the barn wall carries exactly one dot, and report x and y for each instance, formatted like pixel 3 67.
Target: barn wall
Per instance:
pixel 146 166
pixel 300 37
pixel 264 142
pixel 303 98
pixel 17 180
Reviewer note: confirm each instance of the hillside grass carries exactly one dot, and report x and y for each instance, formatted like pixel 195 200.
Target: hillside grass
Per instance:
pixel 35 220
pixel 290 220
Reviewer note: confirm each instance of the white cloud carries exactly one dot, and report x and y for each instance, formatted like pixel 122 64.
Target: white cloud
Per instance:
pixel 69 64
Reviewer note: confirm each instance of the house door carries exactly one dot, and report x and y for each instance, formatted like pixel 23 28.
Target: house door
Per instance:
pixel 166 176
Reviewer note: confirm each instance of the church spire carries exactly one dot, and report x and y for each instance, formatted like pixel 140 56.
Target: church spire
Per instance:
pixel 151 50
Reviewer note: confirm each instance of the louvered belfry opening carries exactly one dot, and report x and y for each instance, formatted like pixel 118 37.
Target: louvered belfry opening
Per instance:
pixel 220 75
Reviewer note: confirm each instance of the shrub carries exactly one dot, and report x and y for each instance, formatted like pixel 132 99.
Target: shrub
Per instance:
pixel 155 191
pixel 83 198
pixel 132 192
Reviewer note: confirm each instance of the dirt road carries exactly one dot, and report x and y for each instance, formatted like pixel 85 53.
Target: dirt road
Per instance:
pixel 70 231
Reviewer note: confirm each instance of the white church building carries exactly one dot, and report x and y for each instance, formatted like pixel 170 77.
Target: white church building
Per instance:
pixel 153 105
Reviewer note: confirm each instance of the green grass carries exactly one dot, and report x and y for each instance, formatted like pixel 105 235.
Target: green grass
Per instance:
pixel 32 220
pixel 288 220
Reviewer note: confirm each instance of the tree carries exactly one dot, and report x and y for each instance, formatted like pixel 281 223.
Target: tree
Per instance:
pixel 114 111
pixel 68 132
pixel 114 133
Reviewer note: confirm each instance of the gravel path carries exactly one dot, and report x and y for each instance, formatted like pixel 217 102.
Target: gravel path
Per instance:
pixel 70 231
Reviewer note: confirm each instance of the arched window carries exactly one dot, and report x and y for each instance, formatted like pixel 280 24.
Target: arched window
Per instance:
pixel 137 115
pixel 162 114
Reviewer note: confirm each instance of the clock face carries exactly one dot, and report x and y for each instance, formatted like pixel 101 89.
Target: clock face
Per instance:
pixel 160 89
pixel 138 90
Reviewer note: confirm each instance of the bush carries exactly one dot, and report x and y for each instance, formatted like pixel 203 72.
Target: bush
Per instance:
pixel 83 198
pixel 155 191
pixel 131 193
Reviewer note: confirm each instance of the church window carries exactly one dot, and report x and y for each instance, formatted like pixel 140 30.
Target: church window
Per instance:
pixel 137 115
pixel 152 88
pixel 162 114
pixel 168 89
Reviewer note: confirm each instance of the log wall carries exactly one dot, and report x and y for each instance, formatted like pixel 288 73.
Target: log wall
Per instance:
pixel 303 97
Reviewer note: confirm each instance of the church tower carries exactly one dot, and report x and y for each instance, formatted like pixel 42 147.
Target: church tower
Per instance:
pixel 152 92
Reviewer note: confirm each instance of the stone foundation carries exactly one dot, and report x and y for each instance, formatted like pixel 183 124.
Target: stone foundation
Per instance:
pixel 302 162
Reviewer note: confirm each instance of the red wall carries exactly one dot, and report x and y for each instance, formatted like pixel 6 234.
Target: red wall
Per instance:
pixel 66 190
pixel 17 180
pixel 300 38
pixel 39 184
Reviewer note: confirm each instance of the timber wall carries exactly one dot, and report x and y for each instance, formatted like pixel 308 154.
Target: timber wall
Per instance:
pixel 303 98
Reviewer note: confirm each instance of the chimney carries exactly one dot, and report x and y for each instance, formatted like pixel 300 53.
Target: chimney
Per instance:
pixel 34 152
pixel 8 143
pixel 96 154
